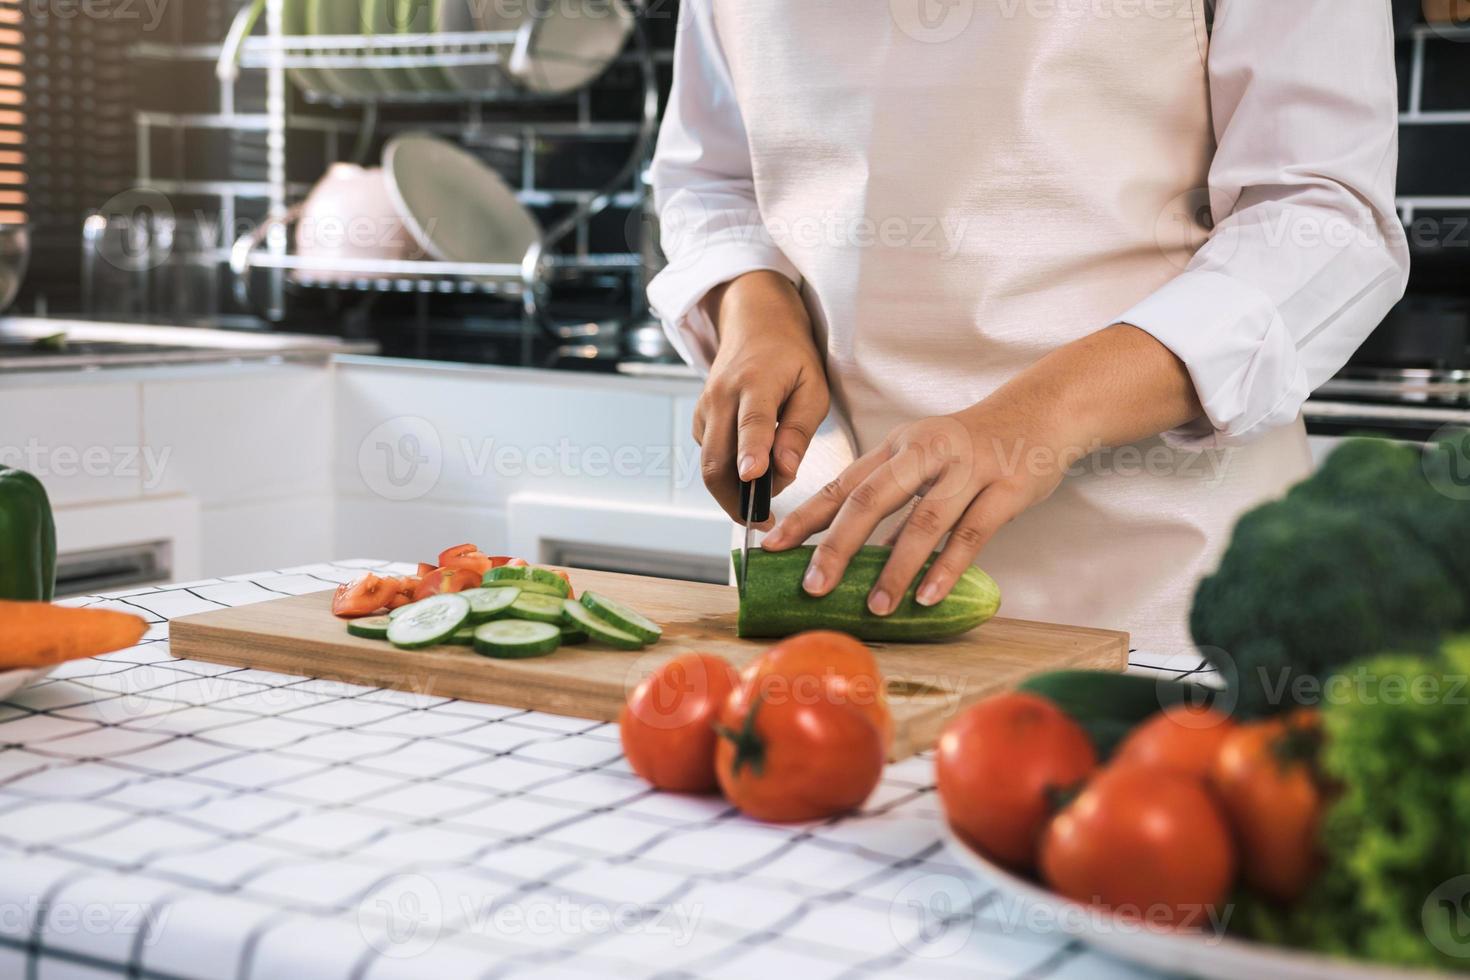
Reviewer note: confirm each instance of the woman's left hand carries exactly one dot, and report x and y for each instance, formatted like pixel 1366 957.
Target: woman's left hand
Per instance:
pixel 972 472
pixel 976 470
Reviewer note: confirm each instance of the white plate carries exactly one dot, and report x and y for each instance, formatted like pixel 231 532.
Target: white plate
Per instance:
pixel 456 16
pixel 1206 956
pixel 574 44
pixel 13 681
pixel 338 17
pixel 458 209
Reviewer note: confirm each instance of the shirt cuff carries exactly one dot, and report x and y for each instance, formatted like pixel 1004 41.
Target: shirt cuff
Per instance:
pixel 676 294
pixel 1239 353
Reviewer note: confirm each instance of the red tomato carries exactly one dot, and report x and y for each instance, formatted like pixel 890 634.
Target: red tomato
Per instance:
pixel 1182 739
pixel 362 597
pixel 819 665
pixel 399 599
pixel 518 563
pixel 1147 843
pixel 465 556
pixel 787 761
pixel 667 726
pixel 1000 767
pixel 445 580
pixel 425 568
pixel 497 560
pixel 1265 780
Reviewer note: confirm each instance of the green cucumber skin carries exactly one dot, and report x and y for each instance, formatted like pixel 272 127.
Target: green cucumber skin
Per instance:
pixel 773 604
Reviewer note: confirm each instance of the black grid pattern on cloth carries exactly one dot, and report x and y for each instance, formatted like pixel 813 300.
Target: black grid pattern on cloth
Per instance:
pixel 236 823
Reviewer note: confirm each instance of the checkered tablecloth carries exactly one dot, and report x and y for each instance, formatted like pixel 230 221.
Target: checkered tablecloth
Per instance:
pixel 168 818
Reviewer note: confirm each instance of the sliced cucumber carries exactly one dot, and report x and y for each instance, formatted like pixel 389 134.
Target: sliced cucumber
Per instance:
pixel 430 621
pixel 395 613
pixel 548 578
pixel 464 636
pixel 625 619
pixel 572 635
pixel 514 639
pixel 488 604
pixel 371 628
pixel 507 575
pixel 598 628
pixel 538 608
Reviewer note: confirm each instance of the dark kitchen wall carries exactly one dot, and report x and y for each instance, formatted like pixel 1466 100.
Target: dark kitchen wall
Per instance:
pixel 80 99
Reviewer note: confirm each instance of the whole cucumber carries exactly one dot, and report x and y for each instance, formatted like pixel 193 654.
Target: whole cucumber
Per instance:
pixel 773 603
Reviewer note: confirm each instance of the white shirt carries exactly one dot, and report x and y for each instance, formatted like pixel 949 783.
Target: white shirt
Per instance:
pixel 1306 256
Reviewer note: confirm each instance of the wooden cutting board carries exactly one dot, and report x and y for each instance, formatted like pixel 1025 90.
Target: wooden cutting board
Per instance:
pixel 928 683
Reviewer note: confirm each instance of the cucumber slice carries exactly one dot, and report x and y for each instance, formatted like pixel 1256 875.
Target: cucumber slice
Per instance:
pixel 548 578
pixel 488 604
pixel 625 619
pixel 539 608
pixel 395 613
pixel 507 575
pixel 371 628
pixel 463 637
pixel 597 628
pixel 571 635
pixel 431 621
pixel 513 639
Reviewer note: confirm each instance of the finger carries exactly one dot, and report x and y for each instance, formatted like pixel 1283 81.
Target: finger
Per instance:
pixel 932 517
pixel 717 459
pixel 699 423
pixel 996 506
pixel 755 433
pixel 817 512
pixel 801 416
pixel 881 494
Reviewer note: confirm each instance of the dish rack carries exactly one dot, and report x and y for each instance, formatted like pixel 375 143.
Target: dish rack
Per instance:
pixel 267 246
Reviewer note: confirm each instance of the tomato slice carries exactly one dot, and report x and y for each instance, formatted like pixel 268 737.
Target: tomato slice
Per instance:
pixel 458 551
pixel 425 568
pixel 497 560
pixel 401 599
pixel 363 596
pixel 442 580
pixel 571 592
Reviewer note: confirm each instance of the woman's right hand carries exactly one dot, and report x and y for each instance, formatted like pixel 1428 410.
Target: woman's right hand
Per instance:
pixel 767 389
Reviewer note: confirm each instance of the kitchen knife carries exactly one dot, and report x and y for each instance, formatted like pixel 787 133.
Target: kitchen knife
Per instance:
pixel 755 506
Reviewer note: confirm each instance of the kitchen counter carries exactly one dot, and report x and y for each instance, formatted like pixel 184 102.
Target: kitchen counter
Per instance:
pixel 170 818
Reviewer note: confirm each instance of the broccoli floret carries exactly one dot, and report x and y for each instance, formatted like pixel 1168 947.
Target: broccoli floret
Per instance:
pixel 1397 837
pixel 1304 588
pixel 1424 495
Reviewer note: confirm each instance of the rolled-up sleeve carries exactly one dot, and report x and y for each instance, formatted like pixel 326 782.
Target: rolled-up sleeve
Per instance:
pixel 1307 253
pixel 710 224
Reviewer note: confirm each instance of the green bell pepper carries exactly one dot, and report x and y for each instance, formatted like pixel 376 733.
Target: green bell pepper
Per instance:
pixel 27 538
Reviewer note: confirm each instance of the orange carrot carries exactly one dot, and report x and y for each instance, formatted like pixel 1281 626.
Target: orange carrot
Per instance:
pixel 38 634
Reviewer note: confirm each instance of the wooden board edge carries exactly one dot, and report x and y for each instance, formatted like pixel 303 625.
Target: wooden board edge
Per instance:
pixel 921 729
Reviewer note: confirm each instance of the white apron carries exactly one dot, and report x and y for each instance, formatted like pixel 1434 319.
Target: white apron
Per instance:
pixel 967 187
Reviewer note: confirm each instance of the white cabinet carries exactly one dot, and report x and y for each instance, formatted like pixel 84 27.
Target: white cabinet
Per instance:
pixel 81 437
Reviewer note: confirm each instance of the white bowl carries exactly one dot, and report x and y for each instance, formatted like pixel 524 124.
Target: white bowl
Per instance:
pixel 575 42
pixel 13 681
pixel 1191 954
pixel 351 215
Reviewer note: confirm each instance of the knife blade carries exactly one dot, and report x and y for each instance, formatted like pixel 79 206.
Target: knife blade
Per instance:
pixel 755 506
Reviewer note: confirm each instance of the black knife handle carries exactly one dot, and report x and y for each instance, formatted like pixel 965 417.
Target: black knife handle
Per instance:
pixel 761 486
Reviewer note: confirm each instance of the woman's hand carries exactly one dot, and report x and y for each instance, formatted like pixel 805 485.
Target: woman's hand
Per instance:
pixel 978 469
pixel 767 389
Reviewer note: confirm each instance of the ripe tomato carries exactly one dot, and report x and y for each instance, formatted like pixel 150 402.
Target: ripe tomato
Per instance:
pixel 1000 766
pixel 1182 739
pixel 1147 843
pixel 786 761
pixel 465 556
pixel 445 580
pixel 425 568
pixel 1265 780
pixel 823 665
pixel 667 725
pixel 362 596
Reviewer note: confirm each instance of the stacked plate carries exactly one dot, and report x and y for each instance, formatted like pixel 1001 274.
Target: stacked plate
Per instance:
pixel 561 44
